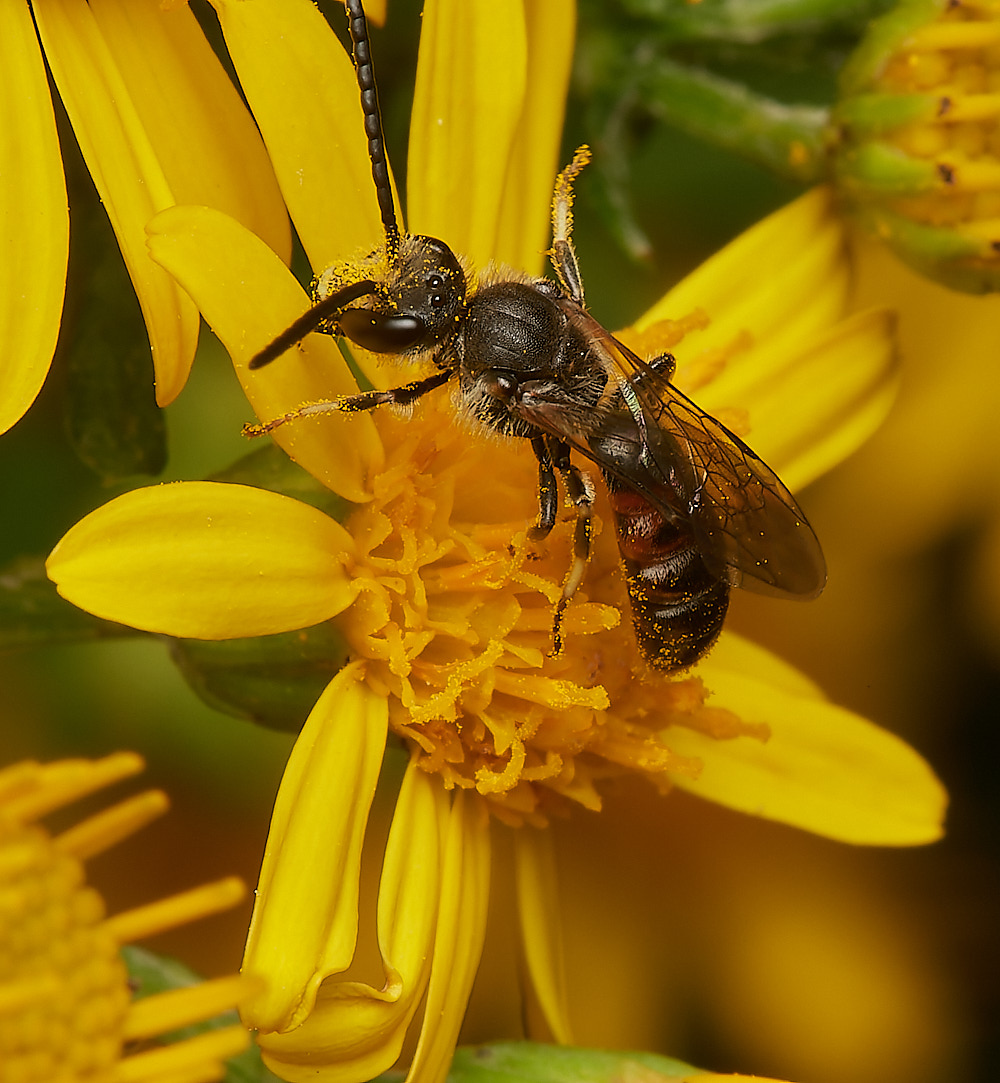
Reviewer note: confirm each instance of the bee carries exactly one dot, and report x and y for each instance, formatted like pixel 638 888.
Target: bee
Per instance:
pixel 696 511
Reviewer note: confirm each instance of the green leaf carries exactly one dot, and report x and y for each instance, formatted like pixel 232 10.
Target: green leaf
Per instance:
pixel 271 680
pixel 268 467
pixel 114 423
pixel 33 614
pixel 532 1062
pixel 151 973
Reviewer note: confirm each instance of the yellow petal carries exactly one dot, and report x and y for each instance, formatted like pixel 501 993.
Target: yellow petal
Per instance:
pixel 949 343
pixel 472 65
pixel 356 1031
pixel 34 230
pixel 305 920
pixel 205 561
pixel 783 280
pixel 411 874
pixel 204 137
pixel 824 768
pixel 733 653
pixel 126 172
pixel 304 96
pixel 523 221
pixel 461 928
pixel 541 927
pixel 248 296
pixel 823 402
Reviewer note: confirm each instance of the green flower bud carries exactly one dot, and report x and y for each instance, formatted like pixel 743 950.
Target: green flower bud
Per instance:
pixel 916 137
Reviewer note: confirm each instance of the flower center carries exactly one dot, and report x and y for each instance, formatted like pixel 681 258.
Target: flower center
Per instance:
pixel 62 975
pixel 66 1009
pixel 455 614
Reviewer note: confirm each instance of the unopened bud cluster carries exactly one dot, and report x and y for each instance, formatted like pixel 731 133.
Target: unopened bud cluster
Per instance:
pixel 917 137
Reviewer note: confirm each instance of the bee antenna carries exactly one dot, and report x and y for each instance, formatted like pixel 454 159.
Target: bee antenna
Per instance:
pixel 373 122
pixel 326 309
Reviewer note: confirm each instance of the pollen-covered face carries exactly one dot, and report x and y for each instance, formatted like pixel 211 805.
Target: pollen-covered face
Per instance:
pixel 416 304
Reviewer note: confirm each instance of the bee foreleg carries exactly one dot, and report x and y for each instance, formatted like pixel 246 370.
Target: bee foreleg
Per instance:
pixel 353 404
pixel 580 490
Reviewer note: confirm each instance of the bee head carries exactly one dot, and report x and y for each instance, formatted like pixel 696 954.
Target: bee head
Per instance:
pixel 417 306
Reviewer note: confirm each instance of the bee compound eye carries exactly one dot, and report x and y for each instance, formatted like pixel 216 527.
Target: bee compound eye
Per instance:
pixel 380 333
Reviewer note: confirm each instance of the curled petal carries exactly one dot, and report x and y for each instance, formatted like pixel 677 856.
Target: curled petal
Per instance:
pixel 541 927
pixel 248 297
pixel 356 1031
pixel 34 233
pixel 823 768
pixel 411 876
pixel 206 561
pixel 312 862
pixel 458 946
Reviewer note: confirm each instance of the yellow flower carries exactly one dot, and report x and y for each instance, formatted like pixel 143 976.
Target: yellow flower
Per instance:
pixel 431 578
pixel 158 122
pixel 66 1009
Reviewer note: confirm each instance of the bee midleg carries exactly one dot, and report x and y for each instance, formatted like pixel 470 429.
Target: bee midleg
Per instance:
pixel 353 404
pixel 548 491
pixel 580 490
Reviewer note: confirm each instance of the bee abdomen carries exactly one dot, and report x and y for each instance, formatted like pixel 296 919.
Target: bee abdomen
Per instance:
pixel 678 606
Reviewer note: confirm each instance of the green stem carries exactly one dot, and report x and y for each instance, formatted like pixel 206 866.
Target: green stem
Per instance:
pixel 787 139
pixel 750 21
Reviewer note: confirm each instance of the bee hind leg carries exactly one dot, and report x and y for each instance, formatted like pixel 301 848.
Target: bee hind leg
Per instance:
pixel 580 490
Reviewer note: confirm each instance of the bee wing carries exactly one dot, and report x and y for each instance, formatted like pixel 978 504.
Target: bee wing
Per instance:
pixel 748 527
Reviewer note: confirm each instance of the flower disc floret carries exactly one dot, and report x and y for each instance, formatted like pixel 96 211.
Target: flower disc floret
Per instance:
pixel 454 616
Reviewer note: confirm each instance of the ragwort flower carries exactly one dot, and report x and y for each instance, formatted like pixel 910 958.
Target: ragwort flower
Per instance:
pixel 432 580
pixel 158 122
pixel 66 1009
